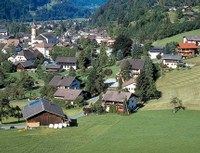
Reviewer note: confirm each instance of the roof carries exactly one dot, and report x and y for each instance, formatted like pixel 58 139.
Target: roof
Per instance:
pixel 27 54
pixel 3 30
pixel 116 96
pixel 66 60
pixel 68 94
pixel 111 82
pixel 39 106
pixel 187 45
pixel 47 35
pixel 25 63
pixel 193 38
pixel 44 45
pixel 61 81
pixel 156 49
pixel 134 64
pixel 131 81
pixel 171 57
pixel 53 66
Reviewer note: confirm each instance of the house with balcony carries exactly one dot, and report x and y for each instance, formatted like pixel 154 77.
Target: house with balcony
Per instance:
pixel 187 49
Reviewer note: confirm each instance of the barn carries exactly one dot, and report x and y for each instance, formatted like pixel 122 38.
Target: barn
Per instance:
pixel 43 112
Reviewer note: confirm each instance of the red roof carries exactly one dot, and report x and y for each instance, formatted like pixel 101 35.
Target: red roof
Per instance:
pixel 187 45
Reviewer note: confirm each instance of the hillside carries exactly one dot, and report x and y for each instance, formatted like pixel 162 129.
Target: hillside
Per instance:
pixel 27 10
pixel 176 38
pixel 140 19
pixel 183 84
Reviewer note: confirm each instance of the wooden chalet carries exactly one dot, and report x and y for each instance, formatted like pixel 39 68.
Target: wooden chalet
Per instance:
pixel 42 112
pixel 118 98
pixel 23 66
pixel 186 49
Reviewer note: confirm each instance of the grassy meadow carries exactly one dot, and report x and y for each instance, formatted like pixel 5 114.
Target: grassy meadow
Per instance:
pixel 176 38
pixel 183 83
pixel 143 132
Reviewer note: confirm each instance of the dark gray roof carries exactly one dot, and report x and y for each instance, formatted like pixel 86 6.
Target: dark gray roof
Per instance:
pixel 27 54
pixel 134 64
pixel 53 66
pixel 3 30
pixel 66 60
pixel 193 38
pixel 39 106
pixel 156 49
pixel 171 57
pixel 25 63
pixel 61 81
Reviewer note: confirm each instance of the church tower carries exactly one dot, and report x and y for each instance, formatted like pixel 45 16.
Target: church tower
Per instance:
pixel 33 33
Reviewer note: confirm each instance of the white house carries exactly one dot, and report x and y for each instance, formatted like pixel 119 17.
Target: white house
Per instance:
pixel 3 32
pixel 67 62
pixel 192 39
pixel 171 61
pixel 25 55
pixel 154 52
pixel 130 85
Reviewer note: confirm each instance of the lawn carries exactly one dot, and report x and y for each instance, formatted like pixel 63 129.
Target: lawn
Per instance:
pixel 115 69
pixel 183 84
pixel 143 132
pixel 176 38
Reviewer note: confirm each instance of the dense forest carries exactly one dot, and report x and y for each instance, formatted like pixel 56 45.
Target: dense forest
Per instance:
pixel 27 10
pixel 148 19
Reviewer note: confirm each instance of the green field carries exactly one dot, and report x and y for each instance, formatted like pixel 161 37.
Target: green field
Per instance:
pixel 143 132
pixel 176 38
pixel 184 84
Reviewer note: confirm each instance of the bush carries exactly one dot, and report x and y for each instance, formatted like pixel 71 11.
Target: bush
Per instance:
pixel 113 108
pixel 108 72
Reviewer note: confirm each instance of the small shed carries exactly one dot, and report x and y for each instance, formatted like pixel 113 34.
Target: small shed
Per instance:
pixel 43 112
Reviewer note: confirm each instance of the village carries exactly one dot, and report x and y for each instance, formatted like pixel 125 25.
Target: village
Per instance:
pixel 80 70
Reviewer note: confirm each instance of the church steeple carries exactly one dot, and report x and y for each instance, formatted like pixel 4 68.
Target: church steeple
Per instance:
pixel 33 33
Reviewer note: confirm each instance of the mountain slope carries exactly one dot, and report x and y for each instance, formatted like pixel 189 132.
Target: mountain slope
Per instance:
pixel 147 19
pixel 27 10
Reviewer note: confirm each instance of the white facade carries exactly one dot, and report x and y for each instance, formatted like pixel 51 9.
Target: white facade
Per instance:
pixel 131 87
pixel 67 66
pixel 153 55
pixel 171 63
pixel 43 51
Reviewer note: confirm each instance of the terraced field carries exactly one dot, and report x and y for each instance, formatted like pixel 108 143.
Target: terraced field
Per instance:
pixel 184 84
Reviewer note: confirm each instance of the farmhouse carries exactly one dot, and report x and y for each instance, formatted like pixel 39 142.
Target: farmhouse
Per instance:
pixel 186 49
pixel 171 61
pixel 67 62
pixel 192 39
pixel 42 112
pixel 68 94
pixel 44 48
pixel 135 66
pixel 65 82
pixel 118 98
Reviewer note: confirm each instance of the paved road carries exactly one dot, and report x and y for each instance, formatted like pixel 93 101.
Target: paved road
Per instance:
pixel 78 116
pixel 7 127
